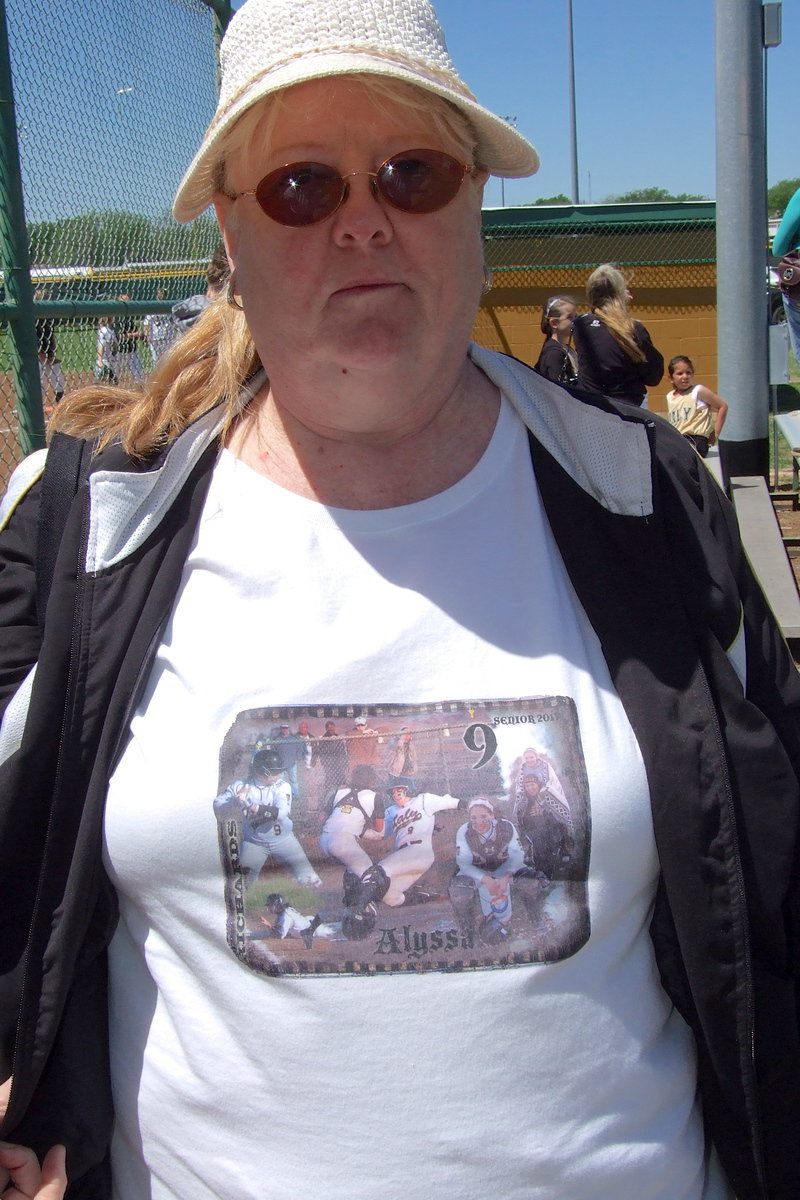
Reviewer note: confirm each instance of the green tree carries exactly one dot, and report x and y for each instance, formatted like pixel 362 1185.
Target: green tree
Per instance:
pixel 111 239
pixel 559 199
pixel 652 195
pixel 779 195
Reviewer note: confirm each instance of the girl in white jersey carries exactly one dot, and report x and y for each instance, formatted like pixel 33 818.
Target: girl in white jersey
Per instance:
pixel 694 410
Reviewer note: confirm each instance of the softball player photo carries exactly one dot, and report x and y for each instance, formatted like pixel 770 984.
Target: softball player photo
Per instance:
pixel 440 868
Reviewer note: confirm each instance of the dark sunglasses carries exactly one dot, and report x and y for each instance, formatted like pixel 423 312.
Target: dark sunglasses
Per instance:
pixel 415 181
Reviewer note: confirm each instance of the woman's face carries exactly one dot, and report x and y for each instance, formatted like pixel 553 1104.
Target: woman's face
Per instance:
pixel 480 818
pixel 563 324
pixel 370 286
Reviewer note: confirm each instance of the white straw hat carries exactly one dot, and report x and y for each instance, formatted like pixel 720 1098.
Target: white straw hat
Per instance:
pixel 274 44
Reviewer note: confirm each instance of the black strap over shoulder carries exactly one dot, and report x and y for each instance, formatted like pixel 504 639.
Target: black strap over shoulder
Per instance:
pixel 67 465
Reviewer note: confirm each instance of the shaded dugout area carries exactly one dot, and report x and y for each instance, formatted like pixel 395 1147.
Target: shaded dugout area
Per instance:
pixel 666 251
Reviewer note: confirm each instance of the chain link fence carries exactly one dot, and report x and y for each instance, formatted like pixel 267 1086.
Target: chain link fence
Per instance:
pixel 110 101
pixel 666 251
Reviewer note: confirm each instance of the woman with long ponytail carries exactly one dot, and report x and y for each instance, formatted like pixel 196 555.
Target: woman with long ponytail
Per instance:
pixel 615 354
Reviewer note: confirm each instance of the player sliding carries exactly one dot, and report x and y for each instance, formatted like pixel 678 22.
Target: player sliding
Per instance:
pixel 410 819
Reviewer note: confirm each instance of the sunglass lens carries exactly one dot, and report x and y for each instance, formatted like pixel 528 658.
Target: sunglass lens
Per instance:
pixel 300 194
pixel 420 181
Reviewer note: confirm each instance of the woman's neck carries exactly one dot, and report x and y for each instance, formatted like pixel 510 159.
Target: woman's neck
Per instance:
pixel 423 453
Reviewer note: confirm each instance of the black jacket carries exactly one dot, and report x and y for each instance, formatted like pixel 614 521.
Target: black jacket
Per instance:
pixel 604 367
pixel 555 363
pixel 654 555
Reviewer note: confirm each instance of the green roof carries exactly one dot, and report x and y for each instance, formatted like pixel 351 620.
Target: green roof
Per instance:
pixel 538 237
pixel 578 216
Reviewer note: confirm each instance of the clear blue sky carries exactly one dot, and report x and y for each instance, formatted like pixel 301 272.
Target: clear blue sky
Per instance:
pixel 644 85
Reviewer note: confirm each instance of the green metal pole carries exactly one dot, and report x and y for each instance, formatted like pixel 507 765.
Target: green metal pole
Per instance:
pixel 223 11
pixel 16 263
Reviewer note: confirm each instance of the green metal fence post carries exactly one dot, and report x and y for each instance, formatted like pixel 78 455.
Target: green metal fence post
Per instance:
pixel 16 263
pixel 223 11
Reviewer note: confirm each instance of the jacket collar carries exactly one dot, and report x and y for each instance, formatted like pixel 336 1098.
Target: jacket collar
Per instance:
pixel 605 453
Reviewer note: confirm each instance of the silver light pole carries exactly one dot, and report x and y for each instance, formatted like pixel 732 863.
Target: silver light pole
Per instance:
pixel 511 121
pixel 741 237
pixel 573 124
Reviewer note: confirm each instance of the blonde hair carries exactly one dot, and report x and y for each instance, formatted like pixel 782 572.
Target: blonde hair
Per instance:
pixel 209 364
pixel 607 290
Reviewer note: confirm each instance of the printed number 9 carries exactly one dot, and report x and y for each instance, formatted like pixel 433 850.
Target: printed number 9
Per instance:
pixel 480 738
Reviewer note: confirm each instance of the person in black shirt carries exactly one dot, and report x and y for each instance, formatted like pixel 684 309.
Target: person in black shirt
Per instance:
pixel 50 371
pixel 615 354
pixel 557 360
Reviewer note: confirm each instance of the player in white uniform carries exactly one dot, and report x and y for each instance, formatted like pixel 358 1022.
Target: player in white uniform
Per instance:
pixel 290 922
pixel 409 820
pixel 263 803
pixel 354 807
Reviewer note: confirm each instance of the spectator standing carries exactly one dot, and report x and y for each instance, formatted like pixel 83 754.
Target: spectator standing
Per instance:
pixel 50 373
pixel 615 354
pixel 105 370
pixel 186 312
pixel 694 410
pixel 128 338
pixel 557 359
pixel 330 751
pixel 401 757
pixel 159 330
pixel 786 246
pixel 362 744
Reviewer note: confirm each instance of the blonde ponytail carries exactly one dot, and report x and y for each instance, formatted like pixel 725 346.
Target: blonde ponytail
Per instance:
pixel 607 291
pixel 208 364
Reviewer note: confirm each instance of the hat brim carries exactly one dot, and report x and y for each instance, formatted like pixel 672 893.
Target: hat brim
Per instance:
pixel 500 148
pixel 788 236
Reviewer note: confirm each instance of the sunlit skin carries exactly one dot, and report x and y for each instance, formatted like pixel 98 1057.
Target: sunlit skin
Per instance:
pixel 363 319
pixel 682 378
pixel 21 1176
pixel 400 795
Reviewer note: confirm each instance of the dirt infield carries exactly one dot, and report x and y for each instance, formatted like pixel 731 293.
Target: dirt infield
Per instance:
pixel 10 453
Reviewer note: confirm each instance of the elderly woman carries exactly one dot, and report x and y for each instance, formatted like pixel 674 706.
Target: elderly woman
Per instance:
pixel 328 503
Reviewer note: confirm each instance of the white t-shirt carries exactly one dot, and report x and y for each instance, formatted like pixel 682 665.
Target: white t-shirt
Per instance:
pixel 422 1054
